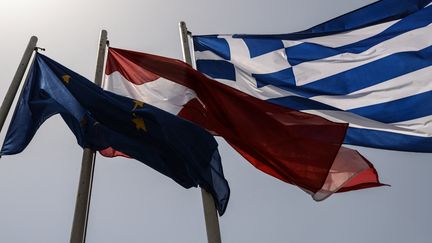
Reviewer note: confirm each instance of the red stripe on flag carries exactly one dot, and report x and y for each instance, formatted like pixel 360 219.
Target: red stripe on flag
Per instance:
pixel 131 72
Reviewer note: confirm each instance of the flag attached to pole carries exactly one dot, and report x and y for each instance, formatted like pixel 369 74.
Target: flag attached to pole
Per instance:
pixel 100 119
pixel 370 68
pixel 298 148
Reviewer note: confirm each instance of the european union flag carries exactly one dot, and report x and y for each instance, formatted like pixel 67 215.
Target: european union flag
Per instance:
pixel 100 119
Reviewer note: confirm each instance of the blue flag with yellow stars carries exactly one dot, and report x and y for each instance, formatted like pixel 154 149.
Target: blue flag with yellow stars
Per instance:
pixel 100 119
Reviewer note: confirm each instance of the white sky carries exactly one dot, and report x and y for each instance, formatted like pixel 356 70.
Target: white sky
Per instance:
pixel 132 203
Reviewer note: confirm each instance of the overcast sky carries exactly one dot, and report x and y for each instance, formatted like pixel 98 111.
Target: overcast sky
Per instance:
pixel 131 202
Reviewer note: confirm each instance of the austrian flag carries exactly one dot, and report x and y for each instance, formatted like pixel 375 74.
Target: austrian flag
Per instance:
pixel 298 148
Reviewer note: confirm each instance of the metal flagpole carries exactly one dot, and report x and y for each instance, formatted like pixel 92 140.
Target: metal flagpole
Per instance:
pixel 82 205
pixel 16 81
pixel 210 213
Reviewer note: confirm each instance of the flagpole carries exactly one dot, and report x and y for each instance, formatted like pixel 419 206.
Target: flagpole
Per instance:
pixel 16 81
pixel 82 205
pixel 210 213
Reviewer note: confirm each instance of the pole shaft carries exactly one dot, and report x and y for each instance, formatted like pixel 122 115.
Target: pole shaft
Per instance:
pixel 79 225
pixel 82 205
pixel 16 81
pixel 211 218
pixel 210 214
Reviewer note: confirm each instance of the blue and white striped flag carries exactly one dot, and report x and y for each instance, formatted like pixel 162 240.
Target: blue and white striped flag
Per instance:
pixel 371 68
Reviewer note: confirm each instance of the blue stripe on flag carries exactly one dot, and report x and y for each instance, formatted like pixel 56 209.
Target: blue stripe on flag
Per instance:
pixel 388 140
pixel 399 110
pixel 378 12
pixel 217 69
pixel 309 51
pixel 214 44
pixel 375 13
pixel 284 77
pixel 370 74
pixel 300 103
pixel 258 47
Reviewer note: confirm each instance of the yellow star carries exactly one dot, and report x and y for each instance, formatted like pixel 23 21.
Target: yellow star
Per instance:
pixel 137 104
pixel 66 78
pixel 139 123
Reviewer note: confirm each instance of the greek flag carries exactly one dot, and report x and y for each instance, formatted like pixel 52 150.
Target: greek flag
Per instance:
pixel 371 68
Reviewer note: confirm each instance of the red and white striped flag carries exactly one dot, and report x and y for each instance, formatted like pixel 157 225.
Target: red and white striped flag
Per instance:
pixel 298 148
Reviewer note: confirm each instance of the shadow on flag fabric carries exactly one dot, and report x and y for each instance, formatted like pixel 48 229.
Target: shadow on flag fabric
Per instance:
pixel 370 68
pixel 100 119
pixel 298 148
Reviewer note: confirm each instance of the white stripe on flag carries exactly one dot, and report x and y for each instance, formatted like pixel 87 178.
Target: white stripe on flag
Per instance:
pixel 207 55
pixel 356 121
pixel 349 37
pixel 247 84
pixel 162 93
pixel 423 124
pixel 414 40
pixel 400 87
pixel 240 57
